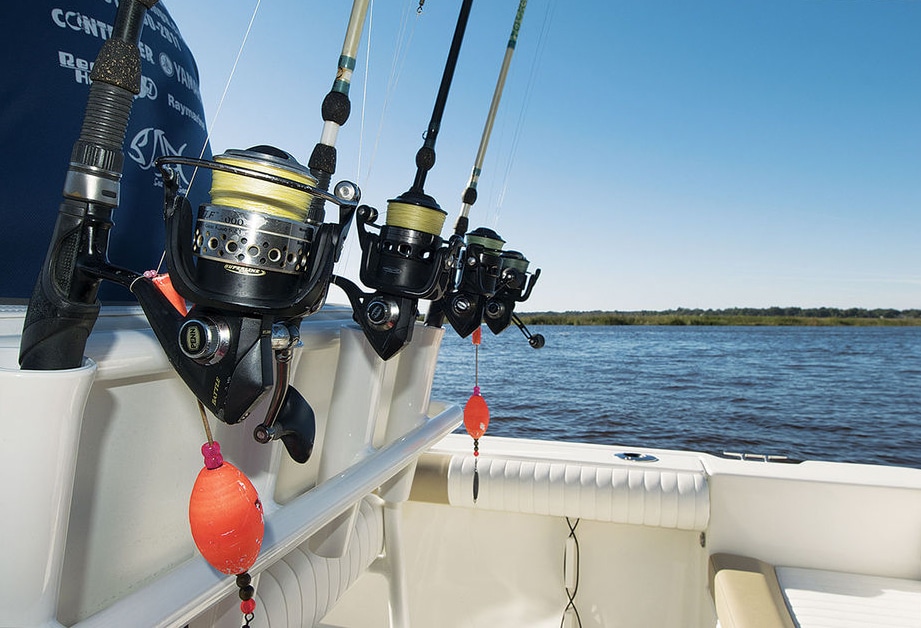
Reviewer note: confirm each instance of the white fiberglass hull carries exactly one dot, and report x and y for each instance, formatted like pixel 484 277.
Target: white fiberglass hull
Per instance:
pixel 101 462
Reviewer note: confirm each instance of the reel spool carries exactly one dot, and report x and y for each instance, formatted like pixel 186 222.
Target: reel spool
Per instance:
pixel 253 262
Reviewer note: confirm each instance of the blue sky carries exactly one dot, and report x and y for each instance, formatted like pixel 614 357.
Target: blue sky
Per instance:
pixel 648 154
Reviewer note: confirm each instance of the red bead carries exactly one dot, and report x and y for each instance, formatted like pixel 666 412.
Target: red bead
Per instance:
pixel 212 453
pixel 247 606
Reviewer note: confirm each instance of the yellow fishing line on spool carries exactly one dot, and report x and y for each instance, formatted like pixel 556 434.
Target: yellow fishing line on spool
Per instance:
pixel 485 242
pixel 248 193
pixel 416 217
pixel 519 264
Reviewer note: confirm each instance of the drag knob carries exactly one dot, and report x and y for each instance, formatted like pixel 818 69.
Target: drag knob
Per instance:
pixel 461 305
pixel 495 309
pixel 382 313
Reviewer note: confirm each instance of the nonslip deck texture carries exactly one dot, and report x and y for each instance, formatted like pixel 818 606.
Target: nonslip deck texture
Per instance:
pixel 750 593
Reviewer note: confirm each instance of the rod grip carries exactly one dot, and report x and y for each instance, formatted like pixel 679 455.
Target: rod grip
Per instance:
pixel 56 327
pixel 63 307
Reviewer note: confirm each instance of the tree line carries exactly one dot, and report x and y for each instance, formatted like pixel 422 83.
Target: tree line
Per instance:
pixel 731 316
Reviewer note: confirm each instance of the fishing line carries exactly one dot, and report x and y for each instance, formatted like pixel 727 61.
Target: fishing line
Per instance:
pixel 396 71
pixel 364 89
pixel 476 365
pixel 347 246
pixel 204 420
pixel 217 112
pixel 529 88
pixel 265 197
pixel 415 217
pixel 220 103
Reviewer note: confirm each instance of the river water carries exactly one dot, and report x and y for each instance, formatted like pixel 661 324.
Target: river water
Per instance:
pixel 819 393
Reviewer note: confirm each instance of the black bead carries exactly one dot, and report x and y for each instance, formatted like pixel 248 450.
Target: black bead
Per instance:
pixel 247 592
pixel 243 579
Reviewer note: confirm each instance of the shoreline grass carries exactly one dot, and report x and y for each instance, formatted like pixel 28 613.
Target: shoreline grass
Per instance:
pixel 818 317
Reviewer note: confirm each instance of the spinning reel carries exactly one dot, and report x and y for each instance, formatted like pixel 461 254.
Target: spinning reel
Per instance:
pixel 490 282
pixel 515 287
pixel 406 260
pixel 253 262
pixel 465 305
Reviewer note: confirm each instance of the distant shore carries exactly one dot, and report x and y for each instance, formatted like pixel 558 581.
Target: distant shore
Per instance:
pixel 774 316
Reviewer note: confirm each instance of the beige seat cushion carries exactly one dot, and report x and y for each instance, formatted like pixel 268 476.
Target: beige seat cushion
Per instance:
pixel 747 594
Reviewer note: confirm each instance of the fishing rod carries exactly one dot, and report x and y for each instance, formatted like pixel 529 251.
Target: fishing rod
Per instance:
pixel 336 105
pixel 491 281
pixel 470 192
pixel 406 259
pixel 252 262
pixel 63 308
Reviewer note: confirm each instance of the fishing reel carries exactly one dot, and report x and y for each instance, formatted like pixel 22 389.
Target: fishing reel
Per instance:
pixel 480 266
pixel 514 287
pixel 404 261
pixel 253 262
pixel 491 281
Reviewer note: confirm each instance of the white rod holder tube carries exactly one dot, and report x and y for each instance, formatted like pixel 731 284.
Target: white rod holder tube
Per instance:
pixel 42 414
pixel 398 601
pixel 412 392
pixel 349 428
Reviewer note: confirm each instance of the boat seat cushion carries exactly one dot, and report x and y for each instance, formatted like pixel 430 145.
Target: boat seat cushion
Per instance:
pixel 749 593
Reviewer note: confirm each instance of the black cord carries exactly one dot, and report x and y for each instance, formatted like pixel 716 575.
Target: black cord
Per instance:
pixel 575 589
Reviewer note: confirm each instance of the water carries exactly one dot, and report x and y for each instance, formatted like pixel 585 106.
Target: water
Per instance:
pixel 819 393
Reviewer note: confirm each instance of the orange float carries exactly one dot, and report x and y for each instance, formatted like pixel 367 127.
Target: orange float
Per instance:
pixel 225 515
pixel 476 415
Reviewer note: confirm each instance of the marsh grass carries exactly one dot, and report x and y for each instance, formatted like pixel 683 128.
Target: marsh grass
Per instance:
pixel 811 317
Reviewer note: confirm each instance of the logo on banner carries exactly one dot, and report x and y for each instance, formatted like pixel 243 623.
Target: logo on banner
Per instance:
pixel 149 145
pixel 80 67
pixel 148 88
